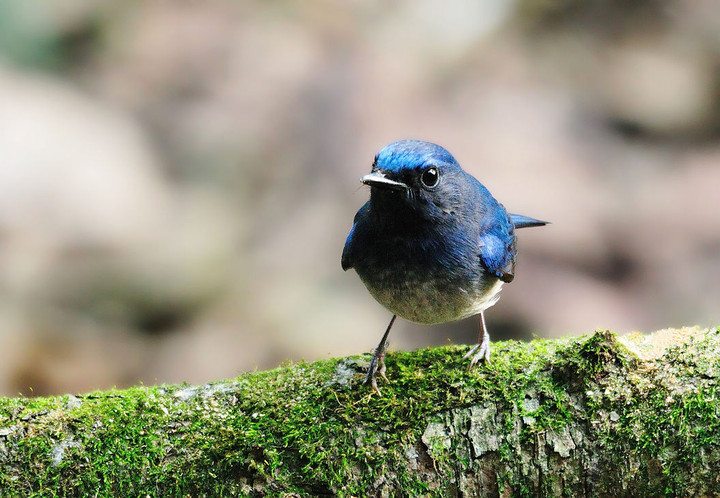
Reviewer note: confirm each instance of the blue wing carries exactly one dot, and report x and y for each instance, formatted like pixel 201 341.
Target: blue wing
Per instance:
pixel 498 249
pixel 346 259
pixel 498 245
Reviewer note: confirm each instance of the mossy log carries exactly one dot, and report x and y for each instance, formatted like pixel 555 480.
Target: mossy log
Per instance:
pixel 592 416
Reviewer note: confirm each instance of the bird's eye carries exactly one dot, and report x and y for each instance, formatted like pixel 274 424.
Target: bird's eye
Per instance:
pixel 430 177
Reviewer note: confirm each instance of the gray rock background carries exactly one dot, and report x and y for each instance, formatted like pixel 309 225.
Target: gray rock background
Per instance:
pixel 177 179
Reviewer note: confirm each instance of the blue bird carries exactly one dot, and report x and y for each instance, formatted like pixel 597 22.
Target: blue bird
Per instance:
pixel 432 245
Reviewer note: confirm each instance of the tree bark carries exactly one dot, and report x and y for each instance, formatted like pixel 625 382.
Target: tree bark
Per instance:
pixel 592 416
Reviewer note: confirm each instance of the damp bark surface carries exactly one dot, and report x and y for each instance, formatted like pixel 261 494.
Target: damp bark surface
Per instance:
pixel 598 415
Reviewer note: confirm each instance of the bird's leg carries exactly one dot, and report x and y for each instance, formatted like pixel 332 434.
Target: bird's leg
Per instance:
pixel 378 359
pixel 482 347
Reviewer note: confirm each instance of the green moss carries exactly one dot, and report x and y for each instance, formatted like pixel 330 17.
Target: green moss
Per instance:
pixel 313 429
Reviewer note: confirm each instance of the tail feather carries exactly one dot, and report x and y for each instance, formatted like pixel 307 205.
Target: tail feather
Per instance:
pixel 521 221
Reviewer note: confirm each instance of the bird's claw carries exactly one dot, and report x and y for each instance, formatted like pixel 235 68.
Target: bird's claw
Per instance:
pixel 479 352
pixel 381 370
pixel 472 350
pixel 377 366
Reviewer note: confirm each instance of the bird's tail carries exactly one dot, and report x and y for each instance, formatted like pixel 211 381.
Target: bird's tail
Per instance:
pixel 521 221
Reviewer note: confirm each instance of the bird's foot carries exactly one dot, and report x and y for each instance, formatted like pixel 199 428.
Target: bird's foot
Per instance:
pixel 377 366
pixel 479 352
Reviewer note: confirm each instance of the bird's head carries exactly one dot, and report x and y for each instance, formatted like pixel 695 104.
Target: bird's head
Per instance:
pixel 418 177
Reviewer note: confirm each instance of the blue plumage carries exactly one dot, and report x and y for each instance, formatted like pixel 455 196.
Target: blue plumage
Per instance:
pixel 432 244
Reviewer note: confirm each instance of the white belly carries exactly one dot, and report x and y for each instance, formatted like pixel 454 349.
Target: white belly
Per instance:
pixel 430 303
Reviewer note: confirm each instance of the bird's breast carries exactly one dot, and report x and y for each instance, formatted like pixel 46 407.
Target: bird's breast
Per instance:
pixel 431 290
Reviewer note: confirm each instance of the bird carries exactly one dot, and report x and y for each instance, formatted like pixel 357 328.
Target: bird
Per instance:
pixel 431 245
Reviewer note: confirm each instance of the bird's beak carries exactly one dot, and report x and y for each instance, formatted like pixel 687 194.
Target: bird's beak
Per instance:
pixel 377 179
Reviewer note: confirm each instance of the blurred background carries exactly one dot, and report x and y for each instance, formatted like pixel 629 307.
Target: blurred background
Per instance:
pixel 177 179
